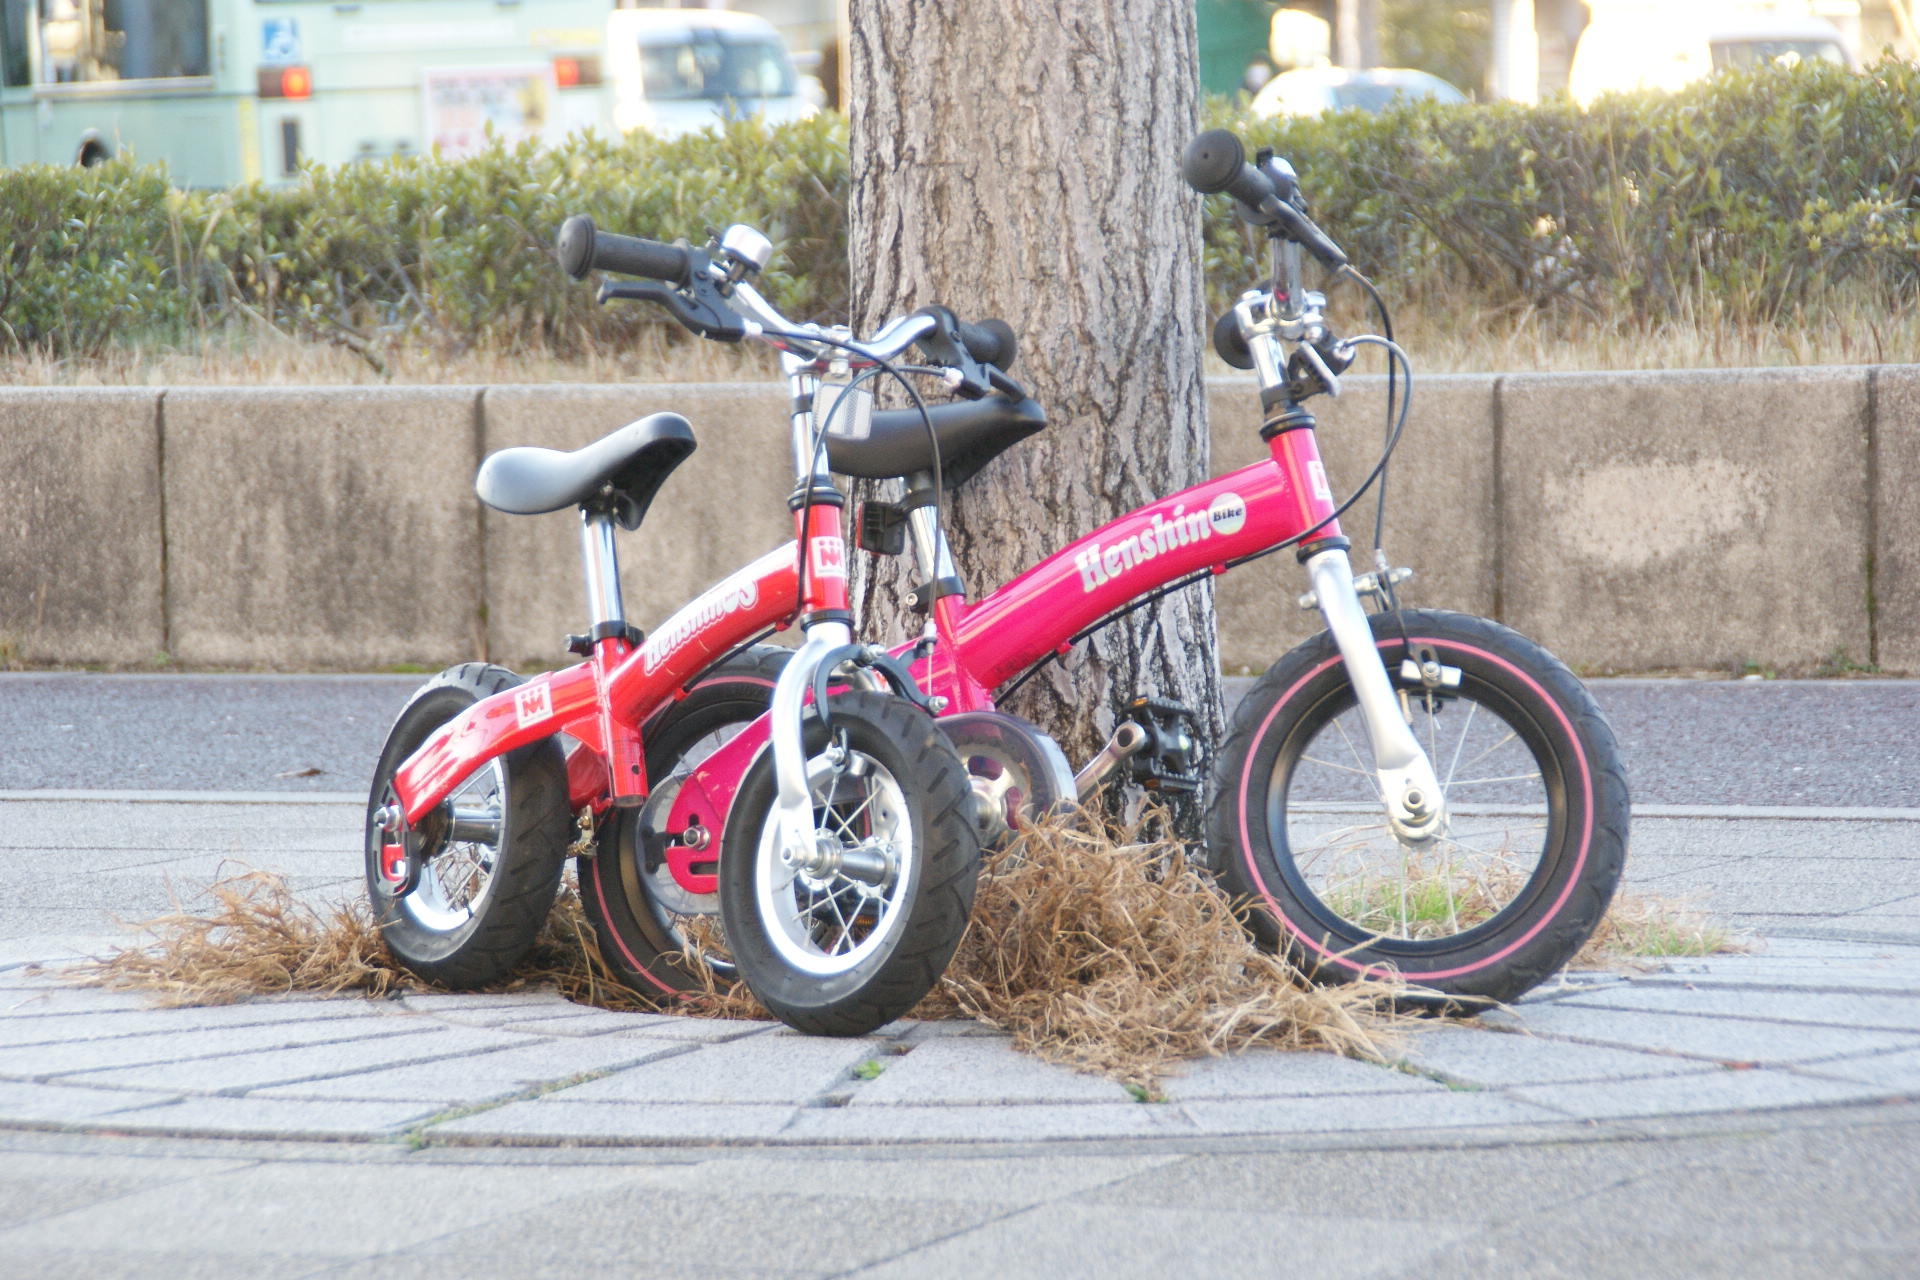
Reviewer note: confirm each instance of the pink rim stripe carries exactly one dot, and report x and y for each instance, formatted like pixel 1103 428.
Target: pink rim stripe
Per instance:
pixel 1378 971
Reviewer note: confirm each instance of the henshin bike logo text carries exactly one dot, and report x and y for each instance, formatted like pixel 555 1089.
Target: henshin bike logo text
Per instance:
pixel 1226 514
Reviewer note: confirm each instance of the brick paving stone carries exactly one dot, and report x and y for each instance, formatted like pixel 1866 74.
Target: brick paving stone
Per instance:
pixel 196 1045
pixel 241 1072
pixel 24 1102
pixel 1475 1057
pixel 1268 1073
pixel 482 1077
pixel 74 1027
pixel 562 1118
pixel 1879 1013
pixel 1032 1123
pixel 1898 1072
pixel 968 1071
pixel 599 1022
pixel 270 1118
pixel 1698 1094
pixel 778 1067
pixel 1714 1039
pixel 1440 1109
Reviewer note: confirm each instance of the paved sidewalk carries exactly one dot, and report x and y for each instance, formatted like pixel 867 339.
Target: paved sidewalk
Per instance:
pixel 1802 1024
pixel 1803 1021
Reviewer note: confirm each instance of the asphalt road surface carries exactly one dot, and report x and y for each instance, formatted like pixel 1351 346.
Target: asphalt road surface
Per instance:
pixel 1827 743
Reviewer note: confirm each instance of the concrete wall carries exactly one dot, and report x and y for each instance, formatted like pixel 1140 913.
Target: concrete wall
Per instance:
pixel 1630 522
pixel 82 553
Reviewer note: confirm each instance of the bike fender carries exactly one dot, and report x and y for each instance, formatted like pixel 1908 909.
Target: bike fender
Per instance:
pixel 706 798
pixel 543 706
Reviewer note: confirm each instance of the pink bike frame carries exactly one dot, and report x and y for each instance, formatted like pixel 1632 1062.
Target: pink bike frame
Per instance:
pixel 1198 529
pixel 1204 527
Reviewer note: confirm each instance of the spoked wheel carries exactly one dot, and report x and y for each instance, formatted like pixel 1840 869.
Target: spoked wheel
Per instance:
pixel 649 927
pixel 487 860
pixel 852 934
pixel 1536 802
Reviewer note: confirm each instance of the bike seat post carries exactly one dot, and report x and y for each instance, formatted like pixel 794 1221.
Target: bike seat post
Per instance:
pixel 608 635
pixel 602 564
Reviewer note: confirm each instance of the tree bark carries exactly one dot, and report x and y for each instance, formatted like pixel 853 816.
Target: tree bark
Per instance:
pixel 1021 159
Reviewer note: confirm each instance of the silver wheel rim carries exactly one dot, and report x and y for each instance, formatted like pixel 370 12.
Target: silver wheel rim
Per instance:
pixel 1497 833
pixel 458 880
pixel 829 926
pixel 669 903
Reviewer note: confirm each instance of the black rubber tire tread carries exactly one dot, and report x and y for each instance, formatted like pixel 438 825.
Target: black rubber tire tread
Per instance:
pixel 738 689
pixel 539 827
pixel 1550 949
pixel 939 796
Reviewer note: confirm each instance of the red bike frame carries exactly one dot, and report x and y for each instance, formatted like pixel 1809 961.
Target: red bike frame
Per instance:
pixel 602 702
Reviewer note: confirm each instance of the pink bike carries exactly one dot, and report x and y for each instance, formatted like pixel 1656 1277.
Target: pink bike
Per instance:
pixel 1411 791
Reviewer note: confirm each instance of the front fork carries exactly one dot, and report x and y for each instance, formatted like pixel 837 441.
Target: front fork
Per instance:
pixel 1416 809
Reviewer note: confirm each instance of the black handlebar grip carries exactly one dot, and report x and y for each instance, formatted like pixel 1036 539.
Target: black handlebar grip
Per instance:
pixel 990 342
pixel 583 249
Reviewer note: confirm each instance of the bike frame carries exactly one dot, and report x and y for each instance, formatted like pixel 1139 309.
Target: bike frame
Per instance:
pixel 602 702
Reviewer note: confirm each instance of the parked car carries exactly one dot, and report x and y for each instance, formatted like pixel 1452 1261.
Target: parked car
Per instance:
pixel 1312 90
pixel 675 71
pixel 1623 51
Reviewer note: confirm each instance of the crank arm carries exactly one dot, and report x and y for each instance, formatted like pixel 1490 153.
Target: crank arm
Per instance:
pixel 1416 809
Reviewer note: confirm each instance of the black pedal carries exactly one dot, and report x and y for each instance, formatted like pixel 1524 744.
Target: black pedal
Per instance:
pixel 881 528
pixel 1171 759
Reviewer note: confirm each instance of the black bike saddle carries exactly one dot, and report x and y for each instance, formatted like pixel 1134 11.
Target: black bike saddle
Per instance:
pixel 623 470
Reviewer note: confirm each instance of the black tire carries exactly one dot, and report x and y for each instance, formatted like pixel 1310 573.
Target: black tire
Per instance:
pixel 1280 836
pixel 439 931
pixel 633 923
pixel 895 951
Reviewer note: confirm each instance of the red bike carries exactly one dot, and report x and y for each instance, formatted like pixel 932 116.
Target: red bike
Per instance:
pixel 1412 791
pixel 858 871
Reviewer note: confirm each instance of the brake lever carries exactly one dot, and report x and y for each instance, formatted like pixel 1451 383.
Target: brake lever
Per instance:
pixel 943 347
pixel 701 307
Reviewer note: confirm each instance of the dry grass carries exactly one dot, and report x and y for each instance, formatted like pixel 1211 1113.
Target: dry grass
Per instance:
pixel 272 358
pixel 1440 341
pixel 1641 928
pixel 1104 950
pixel 255 939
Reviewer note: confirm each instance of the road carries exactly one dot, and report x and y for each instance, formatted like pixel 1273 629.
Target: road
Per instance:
pixel 1819 743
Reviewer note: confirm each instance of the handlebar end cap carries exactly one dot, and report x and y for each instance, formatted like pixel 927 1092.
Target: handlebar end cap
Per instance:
pixel 1213 160
pixel 574 246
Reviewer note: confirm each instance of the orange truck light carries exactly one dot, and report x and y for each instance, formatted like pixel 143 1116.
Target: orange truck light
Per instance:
pixel 286 82
pixel 573 72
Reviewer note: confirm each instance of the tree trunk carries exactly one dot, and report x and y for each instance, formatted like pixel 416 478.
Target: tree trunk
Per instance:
pixel 1021 159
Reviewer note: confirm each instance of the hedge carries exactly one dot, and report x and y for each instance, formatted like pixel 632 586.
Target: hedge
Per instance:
pixel 1758 193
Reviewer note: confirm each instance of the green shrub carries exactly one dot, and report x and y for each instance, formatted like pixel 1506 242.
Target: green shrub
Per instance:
pixel 451 251
pixel 1745 196
pixel 1755 192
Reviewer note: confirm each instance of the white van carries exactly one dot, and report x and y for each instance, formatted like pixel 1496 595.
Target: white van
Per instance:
pixel 674 71
pixel 1656 48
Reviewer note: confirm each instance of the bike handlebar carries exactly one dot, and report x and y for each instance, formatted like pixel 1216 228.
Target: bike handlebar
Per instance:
pixel 1216 162
pixel 583 249
pixel 716 304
